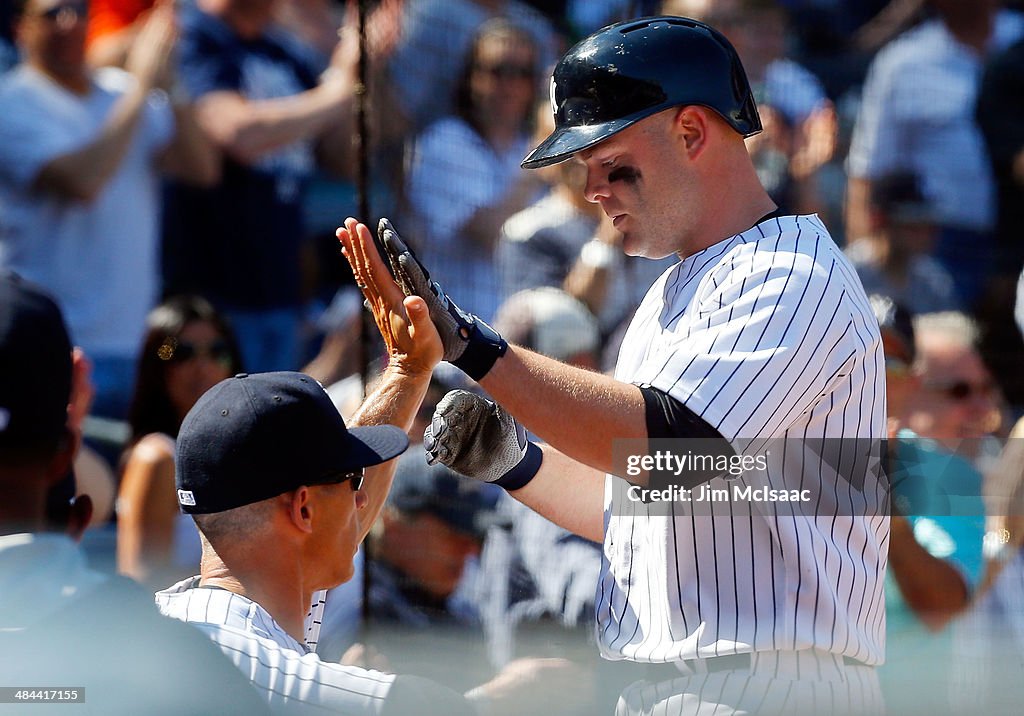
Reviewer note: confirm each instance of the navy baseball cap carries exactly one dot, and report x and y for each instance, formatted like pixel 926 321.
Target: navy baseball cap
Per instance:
pixel 35 365
pixel 466 506
pixel 253 437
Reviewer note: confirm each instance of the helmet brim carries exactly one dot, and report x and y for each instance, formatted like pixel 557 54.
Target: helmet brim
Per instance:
pixel 562 143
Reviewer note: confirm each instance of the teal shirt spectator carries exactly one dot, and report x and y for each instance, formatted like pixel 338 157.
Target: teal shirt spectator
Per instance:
pixel 940 493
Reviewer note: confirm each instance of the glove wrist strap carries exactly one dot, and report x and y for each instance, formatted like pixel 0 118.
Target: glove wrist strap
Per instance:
pixel 520 475
pixel 483 348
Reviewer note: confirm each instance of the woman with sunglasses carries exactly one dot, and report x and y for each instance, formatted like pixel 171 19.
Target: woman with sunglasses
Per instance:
pixel 464 177
pixel 188 348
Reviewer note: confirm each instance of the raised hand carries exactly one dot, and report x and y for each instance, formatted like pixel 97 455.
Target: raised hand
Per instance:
pixel 403 321
pixel 149 58
pixel 469 343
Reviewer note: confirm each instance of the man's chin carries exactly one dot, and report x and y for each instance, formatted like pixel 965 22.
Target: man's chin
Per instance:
pixel 633 245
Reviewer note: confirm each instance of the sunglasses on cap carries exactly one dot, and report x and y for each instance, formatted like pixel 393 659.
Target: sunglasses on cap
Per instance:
pixel 173 350
pixel 508 71
pixel 962 390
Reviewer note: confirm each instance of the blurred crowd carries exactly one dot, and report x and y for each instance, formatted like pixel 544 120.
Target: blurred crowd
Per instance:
pixel 173 173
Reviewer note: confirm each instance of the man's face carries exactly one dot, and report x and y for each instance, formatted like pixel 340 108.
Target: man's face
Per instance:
pixel 338 532
pixel 502 82
pixel 957 399
pixel 52 34
pixel 641 182
pixel 433 554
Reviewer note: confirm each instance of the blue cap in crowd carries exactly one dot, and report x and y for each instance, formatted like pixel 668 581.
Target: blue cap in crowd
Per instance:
pixel 35 365
pixel 464 505
pixel 253 437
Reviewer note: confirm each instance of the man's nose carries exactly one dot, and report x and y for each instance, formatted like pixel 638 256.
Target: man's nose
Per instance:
pixel 597 186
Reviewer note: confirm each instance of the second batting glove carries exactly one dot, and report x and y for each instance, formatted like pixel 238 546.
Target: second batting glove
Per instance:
pixel 477 438
pixel 469 343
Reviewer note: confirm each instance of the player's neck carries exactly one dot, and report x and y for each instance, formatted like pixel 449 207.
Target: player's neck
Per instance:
pixel 273 586
pixel 733 199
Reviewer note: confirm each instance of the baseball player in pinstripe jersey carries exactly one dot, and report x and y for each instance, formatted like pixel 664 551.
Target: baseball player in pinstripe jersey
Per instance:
pixel 760 334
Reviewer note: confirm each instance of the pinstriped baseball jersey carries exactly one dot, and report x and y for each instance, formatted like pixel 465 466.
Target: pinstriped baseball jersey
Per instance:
pixel 315 618
pixel 294 679
pixel 767 334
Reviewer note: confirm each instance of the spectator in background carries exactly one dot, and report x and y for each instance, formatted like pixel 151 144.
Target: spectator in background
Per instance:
pixel 958 402
pixel 917 115
pixel 552 322
pixel 800 124
pixel 187 350
pixel 431 526
pixel 935 539
pixel 464 177
pixel 80 156
pixel 64 624
pixel 241 243
pixel 895 258
pixel 564 241
pixel 422 574
pixel 999 113
pixel 536 591
pixel 533 570
pixel 314 26
pixel 436 37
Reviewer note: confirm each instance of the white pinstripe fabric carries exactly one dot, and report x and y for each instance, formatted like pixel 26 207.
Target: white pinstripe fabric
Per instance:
pixel 315 618
pixel 293 678
pixel 767 334
pixel 801 683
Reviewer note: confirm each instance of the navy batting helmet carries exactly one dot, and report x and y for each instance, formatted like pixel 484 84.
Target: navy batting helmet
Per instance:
pixel 631 70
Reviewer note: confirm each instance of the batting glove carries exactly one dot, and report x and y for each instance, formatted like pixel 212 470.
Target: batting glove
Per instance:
pixel 477 438
pixel 469 343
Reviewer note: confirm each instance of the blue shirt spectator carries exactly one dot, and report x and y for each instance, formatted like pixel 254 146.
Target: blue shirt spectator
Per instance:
pixel 240 243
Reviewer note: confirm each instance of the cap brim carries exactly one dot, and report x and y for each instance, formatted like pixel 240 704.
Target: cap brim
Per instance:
pixel 566 141
pixel 373 444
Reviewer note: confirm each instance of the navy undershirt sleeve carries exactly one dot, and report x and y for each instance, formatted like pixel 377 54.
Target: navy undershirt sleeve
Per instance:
pixel 668 418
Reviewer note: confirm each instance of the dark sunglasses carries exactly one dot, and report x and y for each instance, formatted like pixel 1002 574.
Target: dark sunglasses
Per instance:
pixel 355 479
pixel 173 350
pixel 961 390
pixel 508 71
pixel 79 9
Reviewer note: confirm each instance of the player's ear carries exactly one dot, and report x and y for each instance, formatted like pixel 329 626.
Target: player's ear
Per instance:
pixel 690 126
pixel 299 508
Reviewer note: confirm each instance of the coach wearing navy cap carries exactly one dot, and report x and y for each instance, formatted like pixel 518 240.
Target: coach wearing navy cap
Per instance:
pixel 269 455
pixel 253 437
pixel 283 492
